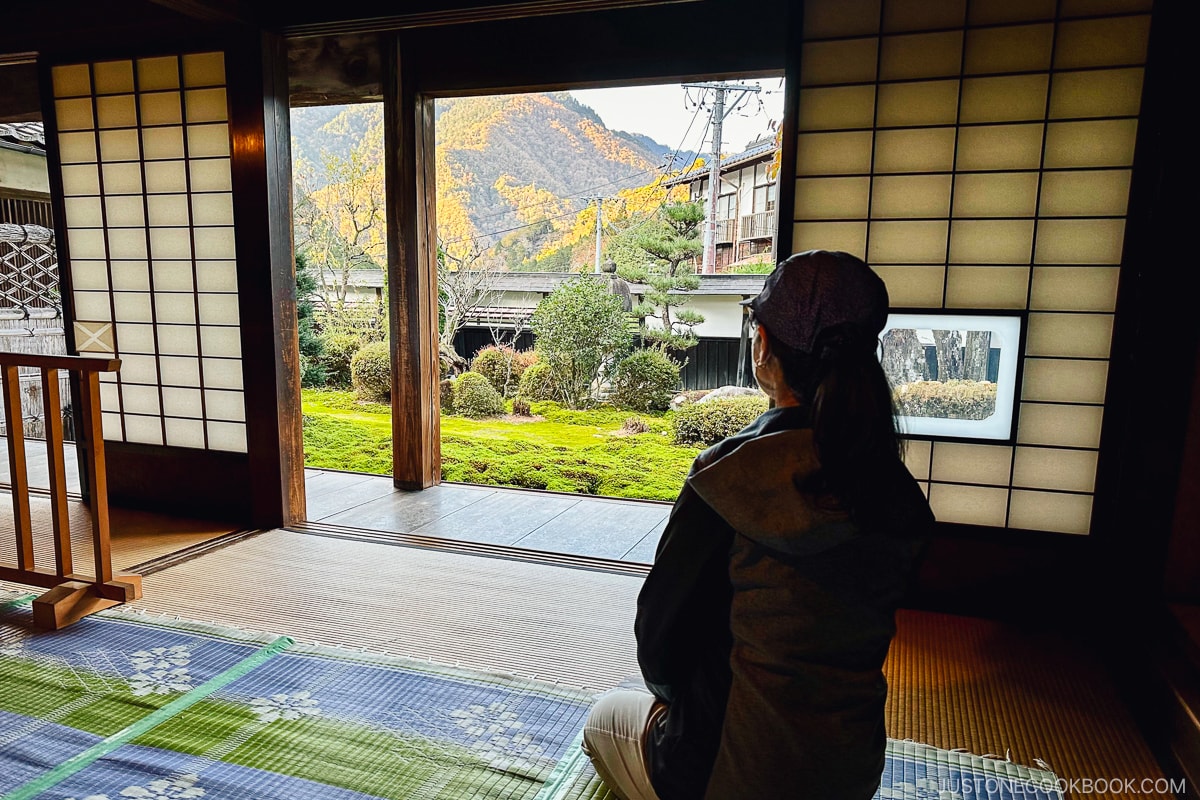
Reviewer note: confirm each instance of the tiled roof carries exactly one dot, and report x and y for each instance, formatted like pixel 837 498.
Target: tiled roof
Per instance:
pixel 759 150
pixel 23 134
pixel 546 282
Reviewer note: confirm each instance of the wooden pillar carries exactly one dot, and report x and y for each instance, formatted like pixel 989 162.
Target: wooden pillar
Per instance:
pixel 260 130
pixel 412 274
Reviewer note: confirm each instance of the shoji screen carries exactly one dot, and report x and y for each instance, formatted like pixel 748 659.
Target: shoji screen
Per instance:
pixel 144 147
pixel 977 153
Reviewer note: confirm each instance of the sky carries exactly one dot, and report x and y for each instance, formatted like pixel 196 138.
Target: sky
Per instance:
pixel 660 113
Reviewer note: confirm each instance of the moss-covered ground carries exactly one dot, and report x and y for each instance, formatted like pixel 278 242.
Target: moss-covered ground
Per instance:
pixel 557 449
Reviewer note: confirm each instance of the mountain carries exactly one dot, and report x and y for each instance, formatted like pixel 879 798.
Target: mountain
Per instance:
pixel 503 162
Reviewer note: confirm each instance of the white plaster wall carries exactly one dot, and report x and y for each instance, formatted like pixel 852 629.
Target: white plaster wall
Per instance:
pixel 722 316
pixel 24 172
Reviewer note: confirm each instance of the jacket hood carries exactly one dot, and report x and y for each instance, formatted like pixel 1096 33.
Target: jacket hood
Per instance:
pixel 757 489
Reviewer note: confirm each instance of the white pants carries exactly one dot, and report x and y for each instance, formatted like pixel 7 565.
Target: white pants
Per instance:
pixel 614 737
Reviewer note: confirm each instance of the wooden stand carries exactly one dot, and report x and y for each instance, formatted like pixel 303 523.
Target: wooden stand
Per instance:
pixel 72 601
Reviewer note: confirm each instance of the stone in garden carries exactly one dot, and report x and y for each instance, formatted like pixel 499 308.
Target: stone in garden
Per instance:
pixel 729 391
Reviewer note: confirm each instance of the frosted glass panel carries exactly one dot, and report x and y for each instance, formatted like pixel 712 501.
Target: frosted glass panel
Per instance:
pixel 81 180
pixel 1063 381
pixel 208 140
pixel 125 212
pixel 971 463
pixel 911 196
pixel 113 77
pixel 74 115
pixel 72 80
pixel 159 143
pixel 122 178
pixel 843 18
pixel 912 15
pixel 907 242
pixel 1066 426
pixel 206 105
pixel 184 432
pixel 846 61
pixel 1080 241
pixel 182 402
pixel 178 340
pixel 1012 194
pixel 221 373
pixel 1075 288
pixel 925 103
pixel 158 73
pixel 914 287
pixel 1046 511
pixel 117 111
pixel 227 436
pixel 1100 193
pixel 922 55
pixel 140 399
pixel 1107 143
pixel 168 243
pixel 1045 468
pixel 215 243
pixel 89 275
pixel 138 369
pixel 831 198
pixel 212 209
pixel 75 148
pixel 221 342
pixel 841 107
pixel 204 69
pixel 134 338
pixel 84 212
pixel 1102 42
pixel 120 145
pixel 1100 93
pixel 130 276
pixel 161 108
pixel 225 405
pixel 968 505
pixel 848 236
pixel 127 243
pixel 168 210
pixel 989 241
pixel 180 371
pixel 1000 147
pixel 172 276
pixel 917 458
pixel 1072 335
pixel 833 153
pixel 219 309
pixel 216 276
pixel 132 306
pixel 165 177
pixel 987 287
pixel 175 308
pixel 1005 99
pixel 143 430
pixel 1018 48
pixel 930 150
pixel 211 175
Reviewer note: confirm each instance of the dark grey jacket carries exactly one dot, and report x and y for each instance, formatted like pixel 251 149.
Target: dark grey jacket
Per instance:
pixel 766 619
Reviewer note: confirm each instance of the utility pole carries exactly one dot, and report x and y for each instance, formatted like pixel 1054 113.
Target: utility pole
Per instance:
pixel 720 111
pixel 598 209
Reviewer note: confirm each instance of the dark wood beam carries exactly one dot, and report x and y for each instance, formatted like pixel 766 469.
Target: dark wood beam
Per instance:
pixel 220 11
pixel 332 70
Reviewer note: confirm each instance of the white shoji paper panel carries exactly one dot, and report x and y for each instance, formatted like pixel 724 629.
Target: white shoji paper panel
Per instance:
pixel 1087 8
pixel 988 12
pixel 922 150
pixel 917 458
pixel 1102 193
pixel 1047 468
pixel 140 148
pixel 833 153
pixel 842 18
pixel 1101 93
pixel 915 15
pixel 971 463
pixel 1064 381
pixel 916 242
pixel 226 406
pixel 1051 511
pixel 1102 143
pixel 832 198
pixel 913 287
pixel 911 196
pixel 1010 98
pixel 845 61
pixel 921 103
pixel 1015 48
pixel 987 287
pixel 968 505
pixel 1074 288
pixel 1065 426
pixel 850 237
pixel 1069 335
pixel 1080 241
pixel 837 107
pixel 991 241
pixel 920 55
pixel 999 147
pixel 1102 42
pixel 996 194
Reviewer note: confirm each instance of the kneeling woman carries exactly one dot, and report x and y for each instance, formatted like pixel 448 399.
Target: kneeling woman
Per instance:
pixel 763 625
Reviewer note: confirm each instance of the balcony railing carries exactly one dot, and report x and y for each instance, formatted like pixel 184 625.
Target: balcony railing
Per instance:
pixel 757 226
pixel 726 230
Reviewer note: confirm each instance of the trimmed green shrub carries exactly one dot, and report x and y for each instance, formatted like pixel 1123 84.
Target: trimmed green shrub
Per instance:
pixel 446 395
pixel 946 400
pixel 645 381
pixel 709 423
pixel 371 372
pixel 503 367
pixel 339 349
pixel 538 383
pixel 474 396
